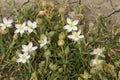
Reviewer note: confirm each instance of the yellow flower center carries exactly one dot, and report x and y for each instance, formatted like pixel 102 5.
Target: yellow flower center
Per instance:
pixel 71 25
pixel 42 41
pixel 30 26
pixel 76 35
pixel 29 48
pixel 20 27
pixel 23 57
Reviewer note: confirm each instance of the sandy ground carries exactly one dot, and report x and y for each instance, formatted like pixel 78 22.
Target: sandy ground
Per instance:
pixel 93 9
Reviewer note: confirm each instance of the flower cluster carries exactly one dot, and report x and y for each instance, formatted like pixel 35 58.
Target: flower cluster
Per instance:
pixel 28 26
pixel 43 40
pixel 27 50
pixel 97 52
pixel 72 27
pixel 6 23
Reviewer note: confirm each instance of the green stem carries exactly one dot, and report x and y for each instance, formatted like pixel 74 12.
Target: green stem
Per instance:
pixel 1 43
pixel 31 67
pixel 46 62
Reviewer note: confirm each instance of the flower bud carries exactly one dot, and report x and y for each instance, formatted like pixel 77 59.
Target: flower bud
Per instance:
pixel 56 27
pixel 108 68
pixel 51 4
pixel 1 77
pixel 79 78
pixel 39 21
pixel 67 50
pixel 53 67
pixel 47 54
pixel 91 24
pixel 61 42
pixel 3 31
pixel 44 4
pixel 51 33
pixel 11 78
pixel 62 10
pixel 81 8
pixel 81 16
pixel 15 37
pixel 60 70
pixel 14 58
pixel 42 64
pixel 61 35
pixel 34 76
pixel 41 13
pixel 119 39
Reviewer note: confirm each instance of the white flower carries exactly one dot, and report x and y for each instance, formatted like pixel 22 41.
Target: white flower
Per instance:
pixel 23 57
pixel 76 36
pixel 98 52
pixel 71 25
pixel 6 23
pixel 31 26
pixel 96 61
pixel 28 48
pixel 20 28
pixel 43 41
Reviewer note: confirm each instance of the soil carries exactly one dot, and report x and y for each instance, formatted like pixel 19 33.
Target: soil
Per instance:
pixel 94 8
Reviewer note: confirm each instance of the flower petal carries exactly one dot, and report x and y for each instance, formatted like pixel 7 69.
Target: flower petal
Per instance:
pixel 34 48
pixel 74 27
pixel 69 29
pixel 30 44
pixel 76 39
pixel 5 20
pixel 23 61
pixel 3 27
pixel 19 60
pixel 75 22
pixel 24 24
pixel 17 25
pixel 34 24
pixel 41 45
pixel 17 31
pixel 70 36
pixel 21 31
pixel 81 36
pixel 66 27
pixel 69 21
pixel 10 21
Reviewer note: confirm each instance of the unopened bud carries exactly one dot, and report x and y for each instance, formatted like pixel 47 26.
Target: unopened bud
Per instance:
pixel 52 4
pixel 61 35
pixel 62 10
pixel 42 64
pixel 3 31
pixel 39 21
pixel 81 8
pixel 34 76
pixel 44 4
pixel 61 42
pixel 15 37
pixel 41 13
pixel 79 78
pixel 1 77
pixel 51 33
pixel 52 66
pixel 12 78
pixel 47 53
pixel 81 16
pixel 14 58
pixel 60 70
pixel 119 39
